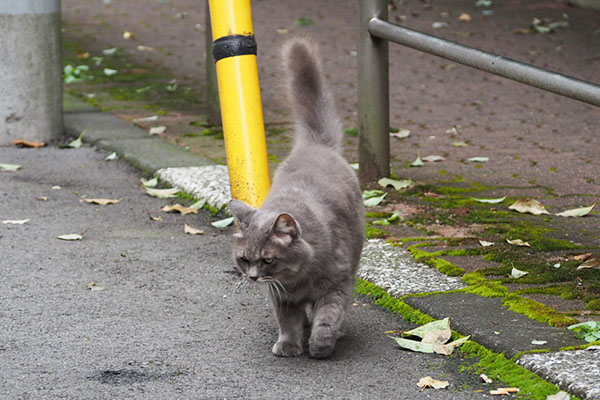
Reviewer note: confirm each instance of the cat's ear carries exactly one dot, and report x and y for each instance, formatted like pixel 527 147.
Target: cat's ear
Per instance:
pixel 242 212
pixel 286 229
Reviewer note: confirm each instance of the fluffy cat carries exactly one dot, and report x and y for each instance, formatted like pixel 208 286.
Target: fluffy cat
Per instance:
pixel 305 241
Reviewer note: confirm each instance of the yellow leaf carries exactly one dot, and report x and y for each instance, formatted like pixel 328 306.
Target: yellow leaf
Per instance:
pixel 464 17
pixel 518 242
pixel 192 231
pixel 428 381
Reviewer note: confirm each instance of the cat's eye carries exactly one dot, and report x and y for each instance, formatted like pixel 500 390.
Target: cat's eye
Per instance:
pixel 268 260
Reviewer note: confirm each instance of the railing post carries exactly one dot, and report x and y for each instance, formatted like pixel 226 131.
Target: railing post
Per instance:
pixel 234 50
pixel 373 95
pixel 213 111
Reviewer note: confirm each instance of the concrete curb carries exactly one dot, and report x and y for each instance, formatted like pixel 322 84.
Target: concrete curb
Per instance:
pixel 389 267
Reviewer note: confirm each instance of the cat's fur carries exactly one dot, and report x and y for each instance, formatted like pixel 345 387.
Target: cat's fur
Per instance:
pixel 305 241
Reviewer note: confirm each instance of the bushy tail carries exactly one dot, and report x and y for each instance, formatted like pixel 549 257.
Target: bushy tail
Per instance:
pixel 311 99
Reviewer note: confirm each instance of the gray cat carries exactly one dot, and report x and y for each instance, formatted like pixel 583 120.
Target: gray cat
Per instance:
pixel 305 241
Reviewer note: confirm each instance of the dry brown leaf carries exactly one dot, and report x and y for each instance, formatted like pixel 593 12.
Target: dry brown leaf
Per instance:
pixel 591 263
pixel 428 381
pixel 153 218
pixel 504 391
pixel 580 257
pixel 102 202
pixel 179 208
pixel 531 206
pixel 192 231
pixel 27 143
pixel 464 17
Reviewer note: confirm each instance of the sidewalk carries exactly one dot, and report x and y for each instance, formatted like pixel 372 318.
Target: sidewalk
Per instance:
pixel 485 319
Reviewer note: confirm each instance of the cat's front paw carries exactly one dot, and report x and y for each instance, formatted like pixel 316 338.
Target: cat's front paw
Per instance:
pixel 322 341
pixel 287 349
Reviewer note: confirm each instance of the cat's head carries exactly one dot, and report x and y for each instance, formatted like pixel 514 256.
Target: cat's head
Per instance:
pixel 268 246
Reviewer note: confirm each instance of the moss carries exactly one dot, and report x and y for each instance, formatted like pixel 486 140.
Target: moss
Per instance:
pixel 593 305
pixel 378 215
pixel 498 367
pixel 440 264
pixel 483 287
pixel 375 233
pixel 537 311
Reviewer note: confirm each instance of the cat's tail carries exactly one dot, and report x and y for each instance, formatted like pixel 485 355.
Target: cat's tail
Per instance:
pixel 311 99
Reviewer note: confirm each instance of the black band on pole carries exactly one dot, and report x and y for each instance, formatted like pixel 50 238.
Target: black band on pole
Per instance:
pixel 234 45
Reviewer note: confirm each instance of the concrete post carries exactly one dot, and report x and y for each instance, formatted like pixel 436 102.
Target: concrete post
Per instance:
pixel 30 71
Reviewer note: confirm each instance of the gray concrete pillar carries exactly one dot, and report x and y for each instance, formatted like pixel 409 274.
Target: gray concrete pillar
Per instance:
pixel 30 70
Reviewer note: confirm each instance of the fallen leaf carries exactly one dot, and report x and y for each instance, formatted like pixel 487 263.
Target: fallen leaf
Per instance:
pixel 517 273
pixel 153 218
pixel 479 159
pixel 531 206
pixel 518 242
pixel 109 52
pixel 102 202
pixel 16 221
pixel 459 144
pixel 149 183
pixel 145 119
pixel 223 223
pixel 591 263
pixel 75 144
pixel 163 193
pixel 354 166
pixel 70 237
pixel 484 378
pixel 433 158
pixel 417 163
pixel 559 396
pixel 199 204
pixel 580 257
pixel 56 187
pixel 128 35
pixel 42 198
pixel 577 212
pixel 192 231
pixel 464 17
pixel 439 25
pixel 428 381
pixel 490 201
pixel 539 342
pixel 110 71
pixel 395 183
pixel 141 47
pixel 157 130
pixel 10 167
pixel 486 244
pixel 180 208
pixel 431 334
pixel 401 134
pixel 94 287
pixel 374 201
pixel 112 156
pixel 27 143
pixel 504 391
pixel 452 131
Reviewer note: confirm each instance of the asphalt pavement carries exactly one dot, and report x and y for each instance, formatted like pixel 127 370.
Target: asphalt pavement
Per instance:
pixel 139 309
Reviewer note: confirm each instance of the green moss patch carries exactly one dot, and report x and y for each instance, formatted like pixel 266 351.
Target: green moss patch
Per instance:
pixel 537 311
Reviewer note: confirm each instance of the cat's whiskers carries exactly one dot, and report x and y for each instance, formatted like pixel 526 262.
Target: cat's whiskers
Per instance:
pixel 241 284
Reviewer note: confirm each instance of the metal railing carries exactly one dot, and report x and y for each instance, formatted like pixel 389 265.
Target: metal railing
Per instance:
pixel 373 79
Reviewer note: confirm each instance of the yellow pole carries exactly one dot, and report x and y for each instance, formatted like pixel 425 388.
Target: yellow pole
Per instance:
pixel 234 50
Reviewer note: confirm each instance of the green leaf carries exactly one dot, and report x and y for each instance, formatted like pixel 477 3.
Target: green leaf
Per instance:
pixel 374 201
pixel 516 273
pixel 75 144
pixel 163 193
pixel 149 183
pixel 417 163
pixel 110 71
pixel 354 166
pixel 395 183
pixel 223 223
pixel 112 156
pixel 199 204
pixel 367 194
pixel 10 167
pixel 351 131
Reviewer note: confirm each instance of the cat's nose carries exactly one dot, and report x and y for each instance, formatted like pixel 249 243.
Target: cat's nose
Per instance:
pixel 253 277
